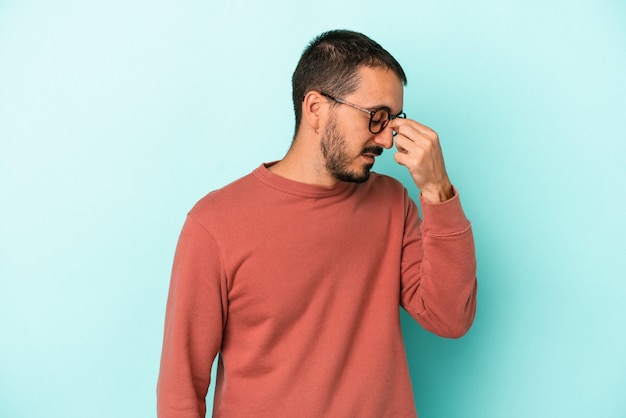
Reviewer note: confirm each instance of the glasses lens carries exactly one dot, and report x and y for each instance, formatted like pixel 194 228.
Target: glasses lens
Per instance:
pixel 379 121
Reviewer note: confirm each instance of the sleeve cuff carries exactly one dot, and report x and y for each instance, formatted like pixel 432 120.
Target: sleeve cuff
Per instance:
pixel 443 218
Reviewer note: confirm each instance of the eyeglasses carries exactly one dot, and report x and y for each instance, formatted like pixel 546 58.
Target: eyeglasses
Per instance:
pixel 379 118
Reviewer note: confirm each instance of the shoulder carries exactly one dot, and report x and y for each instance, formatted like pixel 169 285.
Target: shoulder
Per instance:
pixel 389 192
pixel 381 183
pixel 225 200
pixel 383 179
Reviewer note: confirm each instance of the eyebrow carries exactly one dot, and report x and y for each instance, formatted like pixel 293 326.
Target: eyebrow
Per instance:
pixel 387 108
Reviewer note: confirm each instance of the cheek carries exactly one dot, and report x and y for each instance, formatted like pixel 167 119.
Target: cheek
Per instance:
pixel 357 136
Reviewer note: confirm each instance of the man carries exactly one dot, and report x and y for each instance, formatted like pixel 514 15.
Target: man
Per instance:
pixel 294 274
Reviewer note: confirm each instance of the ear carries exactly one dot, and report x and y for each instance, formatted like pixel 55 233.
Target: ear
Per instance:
pixel 312 109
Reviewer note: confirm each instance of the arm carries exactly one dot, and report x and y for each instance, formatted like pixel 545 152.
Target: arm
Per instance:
pixel 438 259
pixel 194 319
pixel 439 268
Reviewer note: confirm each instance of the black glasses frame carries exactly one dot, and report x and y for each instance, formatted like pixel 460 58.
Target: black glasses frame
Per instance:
pixel 386 111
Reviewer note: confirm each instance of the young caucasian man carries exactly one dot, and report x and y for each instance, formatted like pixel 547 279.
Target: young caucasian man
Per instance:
pixel 294 274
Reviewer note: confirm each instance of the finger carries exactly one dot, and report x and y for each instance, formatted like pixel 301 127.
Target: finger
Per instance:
pixel 412 161
pixel 413 143
pixel 403 143
pixel 401 158
pixel 411 134
pixel 401 149
pixel 400 125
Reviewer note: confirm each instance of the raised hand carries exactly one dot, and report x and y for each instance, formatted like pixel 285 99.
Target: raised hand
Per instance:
pixel 420 152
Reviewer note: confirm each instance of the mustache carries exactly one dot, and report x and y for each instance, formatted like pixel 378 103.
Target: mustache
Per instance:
pixel 372 150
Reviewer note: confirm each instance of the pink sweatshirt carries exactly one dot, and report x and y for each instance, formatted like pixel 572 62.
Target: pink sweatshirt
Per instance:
pixel 298 288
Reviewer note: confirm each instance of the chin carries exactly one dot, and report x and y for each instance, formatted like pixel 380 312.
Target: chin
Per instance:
pixel 355 177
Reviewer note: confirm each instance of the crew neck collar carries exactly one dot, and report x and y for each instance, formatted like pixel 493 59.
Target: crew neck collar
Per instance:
pixel 297 188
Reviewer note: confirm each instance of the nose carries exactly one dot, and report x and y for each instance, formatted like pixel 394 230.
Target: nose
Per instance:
pixel 384 138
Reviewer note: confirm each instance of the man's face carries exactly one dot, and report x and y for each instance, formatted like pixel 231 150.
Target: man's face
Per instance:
pixel 348 147
pixel 339 160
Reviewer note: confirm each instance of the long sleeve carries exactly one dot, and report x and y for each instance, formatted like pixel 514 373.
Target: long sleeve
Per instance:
pixel 194 320
pixel 439 268
pixel 297 287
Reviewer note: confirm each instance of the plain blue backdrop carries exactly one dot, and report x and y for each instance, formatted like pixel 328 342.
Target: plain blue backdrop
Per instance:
pixel 116 117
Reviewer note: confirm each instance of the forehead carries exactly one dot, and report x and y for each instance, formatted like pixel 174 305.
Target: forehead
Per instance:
pixel 379 87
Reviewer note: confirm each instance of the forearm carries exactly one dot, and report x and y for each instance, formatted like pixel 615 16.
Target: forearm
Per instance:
pixel 193 326
pixel 443 298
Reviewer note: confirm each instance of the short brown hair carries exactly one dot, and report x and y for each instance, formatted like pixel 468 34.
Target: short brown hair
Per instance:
pixel 330 63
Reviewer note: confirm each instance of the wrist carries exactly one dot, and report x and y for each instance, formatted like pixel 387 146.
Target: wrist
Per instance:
pixel 438 194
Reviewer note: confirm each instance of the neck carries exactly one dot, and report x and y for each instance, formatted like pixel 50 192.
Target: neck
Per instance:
pixel 304 162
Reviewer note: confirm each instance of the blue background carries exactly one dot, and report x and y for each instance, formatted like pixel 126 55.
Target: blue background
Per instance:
pixel 116 117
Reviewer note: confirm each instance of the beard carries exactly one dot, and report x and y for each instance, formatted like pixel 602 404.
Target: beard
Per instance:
pixel 338 159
